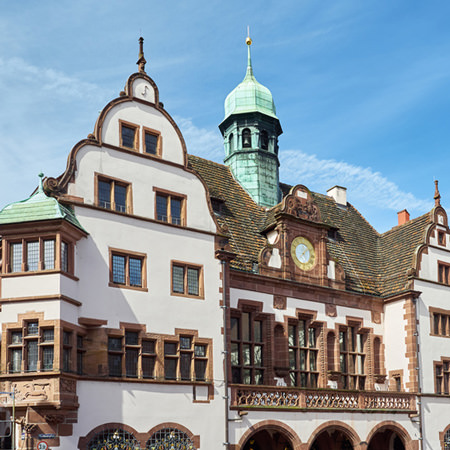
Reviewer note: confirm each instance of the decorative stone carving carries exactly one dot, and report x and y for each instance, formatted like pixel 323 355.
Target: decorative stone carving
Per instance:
pixel 376 317
pixel 68 385
pixel 330 310
pixel 32 391
pixel 279 302
pixel 54 418
pixel 299 203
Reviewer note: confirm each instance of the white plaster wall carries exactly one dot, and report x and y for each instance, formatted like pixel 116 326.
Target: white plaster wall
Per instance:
pixel 51 308
pixel 144 116
pixel 432 348
pixel 429 263
pixel 436 419
pixel 144 90
pixel 395 339
pixel 37 285
pixel 143 406
pixel 143 174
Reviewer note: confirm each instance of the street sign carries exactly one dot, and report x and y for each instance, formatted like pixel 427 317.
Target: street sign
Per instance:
pixel 47 436
pixel 42 445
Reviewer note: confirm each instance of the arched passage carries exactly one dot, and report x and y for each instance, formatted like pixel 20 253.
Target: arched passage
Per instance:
pixel 269 435
pixel 389 436
pixel 334 436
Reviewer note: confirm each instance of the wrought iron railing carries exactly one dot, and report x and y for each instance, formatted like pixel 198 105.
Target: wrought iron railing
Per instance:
pixel 274 397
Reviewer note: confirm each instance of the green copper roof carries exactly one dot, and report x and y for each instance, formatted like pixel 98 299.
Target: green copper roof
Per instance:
pixel 250 96
pixel 38 207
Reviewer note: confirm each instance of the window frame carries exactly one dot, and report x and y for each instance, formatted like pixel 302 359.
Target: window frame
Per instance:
pixel 171 195
pixel 186 266
pixel 296 373
pixel 240 344
pixel 359 379
pixel 441 370
pixel 443 273
pixel 157 134
pixel 135 127
pixel 99 177
pixel 439 322
pixel 127 255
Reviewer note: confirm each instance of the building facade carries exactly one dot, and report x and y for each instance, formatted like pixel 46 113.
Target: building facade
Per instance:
pixel 152 299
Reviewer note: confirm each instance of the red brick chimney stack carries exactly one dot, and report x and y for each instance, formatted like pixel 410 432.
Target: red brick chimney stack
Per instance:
pixel 403 217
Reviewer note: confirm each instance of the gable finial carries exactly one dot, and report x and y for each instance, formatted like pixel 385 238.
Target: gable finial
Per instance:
pixel 437 195
pixel 41 185
pixel 249 41
pixel 141 61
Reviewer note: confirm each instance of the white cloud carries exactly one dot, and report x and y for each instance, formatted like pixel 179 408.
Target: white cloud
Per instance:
pixel 201 141
pixel 363 184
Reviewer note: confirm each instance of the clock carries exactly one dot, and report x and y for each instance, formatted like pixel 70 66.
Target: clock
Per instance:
pixel 302 252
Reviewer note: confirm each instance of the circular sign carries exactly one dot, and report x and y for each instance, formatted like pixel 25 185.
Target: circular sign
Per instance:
pixel 42 445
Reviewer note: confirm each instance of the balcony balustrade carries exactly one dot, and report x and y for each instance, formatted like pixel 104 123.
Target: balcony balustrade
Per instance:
pixel 277 397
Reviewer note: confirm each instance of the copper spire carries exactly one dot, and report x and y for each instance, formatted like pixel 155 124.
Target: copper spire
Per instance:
pixel 141 61
pixel 437 196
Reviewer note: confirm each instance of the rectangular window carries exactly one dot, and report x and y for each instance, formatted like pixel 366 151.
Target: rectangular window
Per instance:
pixel 64 256
pixel 441 237
pixel 32 328
pixel 39 255
pixel 16 257
pixel 49 254
pixel 303 354
pixel 442 377
pixel 440 322
pixel 113 194
pixel 148 359
pixel 32 256
pixel 170 360
pixel 132 349
pixel 127 269
pixel 16 360
pixel 443 273
pixel 115 356
pixel 47 358
pixel 152 142
pixel 187 280
pixel 352 358
pixel 67 351
pixel 32 355
pixel 48 335
pixel 247 349
pixel 16 337
pixel 80 355
pixel 170 208
pixel 200 362
pixel 129 135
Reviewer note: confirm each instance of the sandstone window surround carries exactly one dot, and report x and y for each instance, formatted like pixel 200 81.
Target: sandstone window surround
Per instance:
pixel 187 280
pixel 127 269
pixel 113 194
pixel 170 207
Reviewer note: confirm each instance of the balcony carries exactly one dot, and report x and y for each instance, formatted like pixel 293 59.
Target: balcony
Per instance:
pixel 287 398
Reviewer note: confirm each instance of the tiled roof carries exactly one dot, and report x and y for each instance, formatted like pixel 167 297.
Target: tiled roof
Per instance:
pixel 374 264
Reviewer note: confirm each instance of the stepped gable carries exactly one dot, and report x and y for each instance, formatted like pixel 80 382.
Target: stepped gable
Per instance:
pixel 240 214
pixel 396 253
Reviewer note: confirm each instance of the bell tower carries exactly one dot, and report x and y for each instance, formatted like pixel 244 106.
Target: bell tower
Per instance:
pixel 250 131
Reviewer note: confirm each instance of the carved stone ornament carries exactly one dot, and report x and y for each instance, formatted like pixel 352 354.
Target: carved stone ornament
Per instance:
pixel 279 302
pixel 333 375
pixel 68 385
pixel 299 203
pixel 330 310
pixel 32 391
pixel 265 255
pixel 54 418
pixel 380 379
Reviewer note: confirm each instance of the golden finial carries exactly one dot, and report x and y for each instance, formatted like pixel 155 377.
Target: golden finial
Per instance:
pixel 248 41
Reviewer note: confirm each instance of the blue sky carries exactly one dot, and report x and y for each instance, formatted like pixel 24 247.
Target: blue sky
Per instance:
pixel 362 89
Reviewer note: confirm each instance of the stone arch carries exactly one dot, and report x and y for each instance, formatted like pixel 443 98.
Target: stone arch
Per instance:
pixel 84 441
pixel 396 428
pixel 194 438
pixel 274 425
pixel 339 426
pixel 442 437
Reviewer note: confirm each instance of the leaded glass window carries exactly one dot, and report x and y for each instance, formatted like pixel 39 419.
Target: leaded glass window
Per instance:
pixel 47 358
pixel 128 136
pixel 151 143
pixel 16 257
pixel 178 279
pixel 186 280
pixel 447 440
pixel 120 197
pixel 104 194
pixel 170 439
pixel 32 256
pixel 113 439
pixel 135 271
pixel 247 349
pixel 169 208
pixel 32 348
pixel 16 360
pixel 49 254
pixel 127 269
pixel 64 256
pixel 118 269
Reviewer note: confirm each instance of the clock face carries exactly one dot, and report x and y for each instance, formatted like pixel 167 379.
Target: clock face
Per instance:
pixel 302 252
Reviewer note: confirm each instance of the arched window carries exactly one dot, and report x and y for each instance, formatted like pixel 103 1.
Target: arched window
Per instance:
pixel 113 439
pixel 264 140
pixel 447 440
pixel 246 138
pixel 231 142
pixel 170 439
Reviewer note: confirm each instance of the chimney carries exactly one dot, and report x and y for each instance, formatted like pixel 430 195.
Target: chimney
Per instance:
pixel 339 194
pixel 403 217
